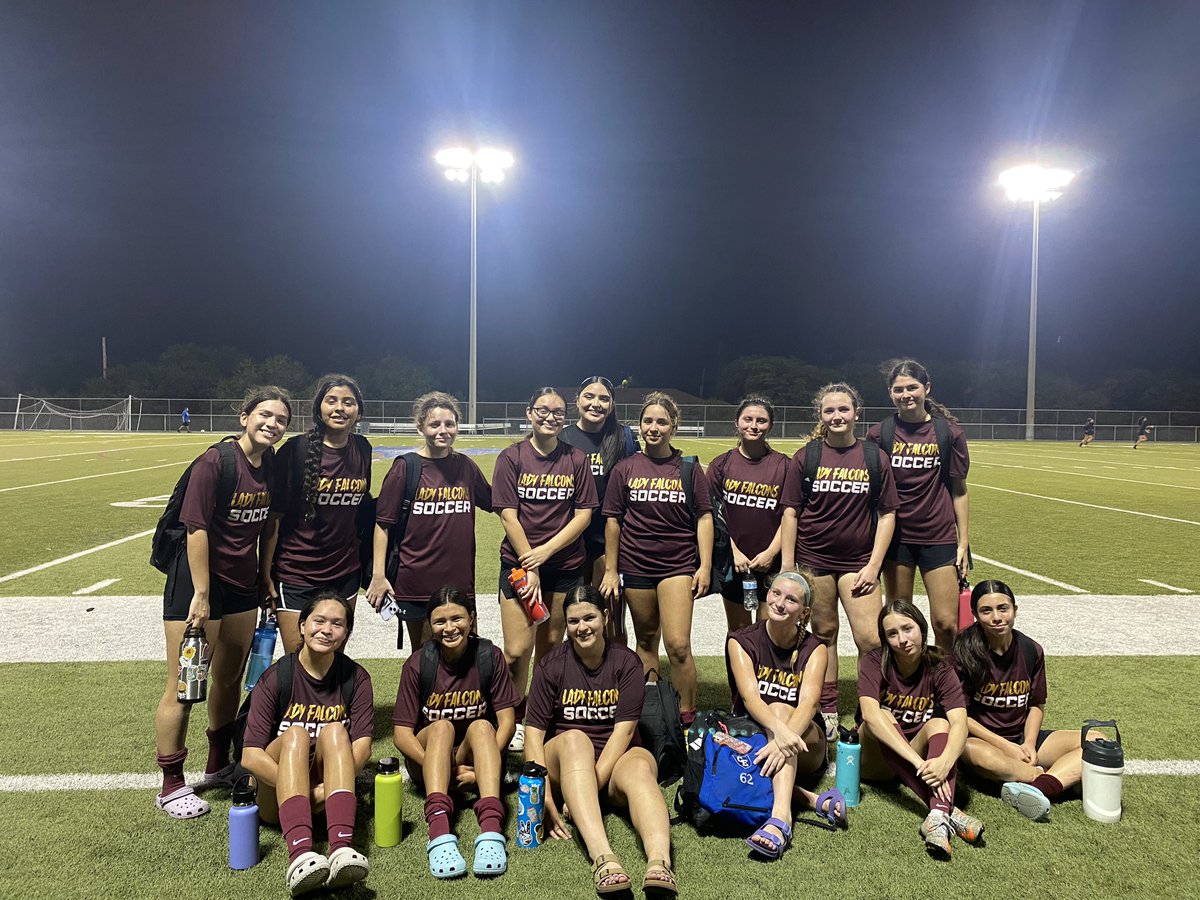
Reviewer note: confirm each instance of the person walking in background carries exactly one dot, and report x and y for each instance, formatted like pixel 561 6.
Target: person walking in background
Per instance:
pixel 185 421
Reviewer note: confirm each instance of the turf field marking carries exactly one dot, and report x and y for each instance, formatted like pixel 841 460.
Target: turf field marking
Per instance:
pixel 1128 465
pixel 92 588
pixel 21 487
pixel 58 456
pixel 1180 487
pixel 1081 503
pixel 1169 587
pixel 64 559
pixel 1028 574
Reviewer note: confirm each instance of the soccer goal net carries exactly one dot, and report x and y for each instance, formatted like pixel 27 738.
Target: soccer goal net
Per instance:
pixel 36 413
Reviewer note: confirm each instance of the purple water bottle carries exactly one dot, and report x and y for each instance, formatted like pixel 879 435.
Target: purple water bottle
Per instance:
pixel 243 824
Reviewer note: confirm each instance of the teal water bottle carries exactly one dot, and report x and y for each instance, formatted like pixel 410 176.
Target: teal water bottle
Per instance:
pixel 262 649
pixel 849 760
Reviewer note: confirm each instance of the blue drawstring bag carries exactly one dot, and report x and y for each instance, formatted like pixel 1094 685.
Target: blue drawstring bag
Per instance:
pixel 733 791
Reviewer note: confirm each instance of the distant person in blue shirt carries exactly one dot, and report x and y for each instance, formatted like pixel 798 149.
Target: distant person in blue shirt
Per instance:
pixel 185 420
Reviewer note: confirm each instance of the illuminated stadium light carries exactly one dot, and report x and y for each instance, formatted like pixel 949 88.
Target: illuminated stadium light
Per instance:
pixel 487 164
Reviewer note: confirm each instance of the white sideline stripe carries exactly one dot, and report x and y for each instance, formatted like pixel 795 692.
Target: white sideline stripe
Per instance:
pixel 1162 766
pixel 21 487
pixel 92 588
pixel 65 559
pixel 85 453
pixel 1131 512
pixel 1169 587
pixel 1034 575
pixel 1047 469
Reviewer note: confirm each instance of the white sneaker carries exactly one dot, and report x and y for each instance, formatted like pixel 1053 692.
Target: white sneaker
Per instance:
pixel 517 744
pixel 307 872
pixel 936 830
pixel 346 867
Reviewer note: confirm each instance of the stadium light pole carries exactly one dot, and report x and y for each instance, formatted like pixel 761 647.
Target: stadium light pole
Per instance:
pixel 1037 185
pixel 487 164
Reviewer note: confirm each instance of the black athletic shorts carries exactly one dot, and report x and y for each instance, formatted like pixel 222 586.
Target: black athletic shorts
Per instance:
pixel 292 597
pixel 554 581
pixel 224 599
pixel 732 590
pixel 1043 733
pixel 925 557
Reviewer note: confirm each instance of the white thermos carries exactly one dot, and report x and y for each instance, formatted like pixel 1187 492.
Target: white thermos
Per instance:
pixel 1103 771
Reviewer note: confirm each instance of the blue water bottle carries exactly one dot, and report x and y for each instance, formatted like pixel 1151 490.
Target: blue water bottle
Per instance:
pixel 531 806
pixel 243 824
pixel 262 650
pixel 849 758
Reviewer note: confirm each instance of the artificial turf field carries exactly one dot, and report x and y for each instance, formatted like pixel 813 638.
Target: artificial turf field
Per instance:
pixel 1095 522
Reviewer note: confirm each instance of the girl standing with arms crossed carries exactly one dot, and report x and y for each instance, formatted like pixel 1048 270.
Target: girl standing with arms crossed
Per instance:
pixel 545 494
pixel 321 478
pixel 750 480
pixel 584 706
pixel 830 527
pixel 606 442
pixel 457 734
pixel 214 585
pixel 658 549
pixel 438 547
pixel 932 522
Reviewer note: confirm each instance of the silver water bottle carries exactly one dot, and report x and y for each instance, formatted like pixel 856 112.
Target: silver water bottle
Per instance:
pixel 194 655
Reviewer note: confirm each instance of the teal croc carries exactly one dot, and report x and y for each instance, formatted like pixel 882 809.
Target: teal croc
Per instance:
pixel 444 859
pixel 491 858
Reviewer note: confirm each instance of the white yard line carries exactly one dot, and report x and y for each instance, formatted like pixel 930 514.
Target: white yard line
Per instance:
pixel 1169 587
pixel 1131 512
pixel 1028 574
pixel 86 453
pixel 21 487
pixel 1178 487
pixel 66 559
pixel 92 588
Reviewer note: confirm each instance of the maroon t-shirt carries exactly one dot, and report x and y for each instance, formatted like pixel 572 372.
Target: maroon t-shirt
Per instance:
pixel 835 529
pixel 1001 704
pixel 233 538
pixel 439 541
pixel 658 537
pixel 566 694
pixel 779 677
pixel 545 491
pixel 456 694
pixel 913 700
pixel 325 550
pixel 926 512
pixel 314 704
pixel 753 493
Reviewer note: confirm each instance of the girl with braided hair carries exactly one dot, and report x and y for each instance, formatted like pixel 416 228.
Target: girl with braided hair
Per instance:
pixel 320 479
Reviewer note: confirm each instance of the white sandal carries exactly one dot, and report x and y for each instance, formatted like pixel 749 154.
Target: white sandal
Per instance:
pixel 182 804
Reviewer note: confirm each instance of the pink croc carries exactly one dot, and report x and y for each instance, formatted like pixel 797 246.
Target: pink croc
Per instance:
pixel 182 804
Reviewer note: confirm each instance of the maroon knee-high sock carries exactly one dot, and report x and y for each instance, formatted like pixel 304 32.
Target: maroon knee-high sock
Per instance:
pixel 340 807
pixel 490 813
pixel 1047 784
pixel 295 820
pixel 829 697
pixel 220 741
pixel 172 769
pixel 904 771
pixel 937 746
pixel 438 809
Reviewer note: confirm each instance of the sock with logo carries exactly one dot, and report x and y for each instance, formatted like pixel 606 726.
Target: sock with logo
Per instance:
pixel 172 769
pixel 937 746
pixel 438 809
pixel 1048 785
pixel 340 807
pixel 295 821
pixel 219 742
pixel 490 813
pixel 829 697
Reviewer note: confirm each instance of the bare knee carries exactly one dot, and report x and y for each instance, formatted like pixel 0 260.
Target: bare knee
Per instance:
pixel 440 732
pixel 294 741
pixel 679 652
pixel 332 737
pixel 574 744
pixel 481 730
pixel 936 726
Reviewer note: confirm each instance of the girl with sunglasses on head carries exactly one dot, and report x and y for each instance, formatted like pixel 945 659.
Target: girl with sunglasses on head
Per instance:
pixel 545 494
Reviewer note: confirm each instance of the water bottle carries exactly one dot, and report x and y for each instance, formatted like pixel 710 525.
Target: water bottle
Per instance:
pixel 750 592
pixel 1103 771
pixel 531 805
pixel 966 618
pixel 849 755
pixel 389 802
pixel 194 655
pixel 243 824
pixel 519 580
pixel 262 649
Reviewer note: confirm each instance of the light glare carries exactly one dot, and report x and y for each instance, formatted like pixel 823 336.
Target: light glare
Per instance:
pixel 454 158
pixel 1034 184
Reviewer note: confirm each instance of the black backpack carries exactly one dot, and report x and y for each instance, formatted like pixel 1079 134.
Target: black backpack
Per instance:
pixel 812 461
pixel 170 535
pixel 285 669
pixel 412 479
pixel 484 661
pixel 722 552
pixel 687 796
pixel 659 728
pixel 941 428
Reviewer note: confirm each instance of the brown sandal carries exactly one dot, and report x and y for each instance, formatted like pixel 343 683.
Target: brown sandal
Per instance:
pixel 609 875
pixel 659 877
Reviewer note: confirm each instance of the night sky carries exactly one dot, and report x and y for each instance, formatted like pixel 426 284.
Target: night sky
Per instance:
pixel 695 181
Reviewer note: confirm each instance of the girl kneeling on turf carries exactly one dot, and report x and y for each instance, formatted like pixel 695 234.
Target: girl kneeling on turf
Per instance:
pixel 457 733
pixel 914 721
pixel 776 669
pixel 584 705
pixel 309 759
pixel 1004 677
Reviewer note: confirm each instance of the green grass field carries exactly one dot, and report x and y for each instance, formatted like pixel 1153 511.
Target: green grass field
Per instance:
pixel 1099 520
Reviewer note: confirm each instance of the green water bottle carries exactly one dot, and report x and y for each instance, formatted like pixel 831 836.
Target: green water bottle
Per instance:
pixel 389 802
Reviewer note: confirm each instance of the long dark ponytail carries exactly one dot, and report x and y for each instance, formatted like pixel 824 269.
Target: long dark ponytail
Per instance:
pixel 893 369
pixel 316 439
pixel 971 647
